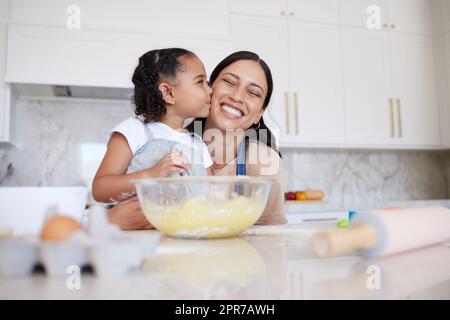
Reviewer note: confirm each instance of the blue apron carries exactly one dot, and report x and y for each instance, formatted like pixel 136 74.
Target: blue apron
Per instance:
pixel 241 169
pixel 155 148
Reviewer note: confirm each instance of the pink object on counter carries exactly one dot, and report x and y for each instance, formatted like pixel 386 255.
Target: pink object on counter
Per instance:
pixel 399 230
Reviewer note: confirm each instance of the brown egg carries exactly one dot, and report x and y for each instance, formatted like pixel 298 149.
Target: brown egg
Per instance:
pixel 59 228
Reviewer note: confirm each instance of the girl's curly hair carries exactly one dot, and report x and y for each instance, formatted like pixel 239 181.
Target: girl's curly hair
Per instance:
pixel 147 99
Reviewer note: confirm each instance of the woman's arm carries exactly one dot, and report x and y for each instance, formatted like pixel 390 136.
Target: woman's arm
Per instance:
pixel 264 161
pixel 128 215
pixel 112 184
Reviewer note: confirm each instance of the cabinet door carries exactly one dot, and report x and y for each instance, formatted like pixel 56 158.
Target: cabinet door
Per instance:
pixel 414 79
pixel 268 38
pixel 444 8
pixel 174 17
pixel 268 8
pixel 325 11
pixel 316 82
pixel 368 118
pixel 354 12
pixel 412 16
pixel 445 107
pixel 5 109
pixel 50 55
pixel 4 96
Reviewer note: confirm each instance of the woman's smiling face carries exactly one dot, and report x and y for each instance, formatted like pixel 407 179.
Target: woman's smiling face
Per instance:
pixel 238 95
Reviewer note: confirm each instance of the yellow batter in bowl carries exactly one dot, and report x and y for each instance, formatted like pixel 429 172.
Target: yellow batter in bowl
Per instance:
pixel 200 218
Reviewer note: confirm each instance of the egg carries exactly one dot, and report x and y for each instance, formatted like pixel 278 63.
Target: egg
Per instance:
pixel 59 228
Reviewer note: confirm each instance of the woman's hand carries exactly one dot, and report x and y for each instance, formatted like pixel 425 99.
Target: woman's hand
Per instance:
pixel 175 161
pixel 128 215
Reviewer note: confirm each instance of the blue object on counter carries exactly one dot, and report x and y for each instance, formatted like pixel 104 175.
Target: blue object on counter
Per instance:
pixel 351 214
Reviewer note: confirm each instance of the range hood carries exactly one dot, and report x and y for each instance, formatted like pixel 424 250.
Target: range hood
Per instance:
pixel 43 91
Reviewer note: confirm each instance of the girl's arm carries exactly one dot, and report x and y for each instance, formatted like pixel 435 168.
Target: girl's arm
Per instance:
pixel 209 171
pixel 112 184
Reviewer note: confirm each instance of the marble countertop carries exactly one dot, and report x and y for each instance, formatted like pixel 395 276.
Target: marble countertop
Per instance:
pixel 266 262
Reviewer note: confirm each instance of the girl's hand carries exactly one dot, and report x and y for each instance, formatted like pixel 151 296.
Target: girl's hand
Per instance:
pixel 127 214
pixel 175 161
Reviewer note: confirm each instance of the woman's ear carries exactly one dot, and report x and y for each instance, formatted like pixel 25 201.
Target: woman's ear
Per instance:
pixel 167 93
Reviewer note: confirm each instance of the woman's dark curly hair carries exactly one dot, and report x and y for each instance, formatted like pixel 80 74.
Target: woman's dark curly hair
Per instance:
pixel 147 99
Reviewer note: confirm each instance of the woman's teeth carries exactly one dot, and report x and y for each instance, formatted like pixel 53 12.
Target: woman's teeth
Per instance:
pixel 232 112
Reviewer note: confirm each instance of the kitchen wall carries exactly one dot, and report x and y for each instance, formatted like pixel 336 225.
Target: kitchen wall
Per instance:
pixel 60 143
pixel 358 178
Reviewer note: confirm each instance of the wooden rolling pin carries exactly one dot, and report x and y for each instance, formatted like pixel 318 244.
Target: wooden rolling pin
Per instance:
pixel 314 194
pixel 385 232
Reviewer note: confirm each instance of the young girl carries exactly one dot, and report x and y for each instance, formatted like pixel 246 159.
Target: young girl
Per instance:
pixel 170 85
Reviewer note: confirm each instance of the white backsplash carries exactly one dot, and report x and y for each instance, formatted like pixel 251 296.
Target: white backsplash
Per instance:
pixel 59 143
pixel 52 140
pixel 368 177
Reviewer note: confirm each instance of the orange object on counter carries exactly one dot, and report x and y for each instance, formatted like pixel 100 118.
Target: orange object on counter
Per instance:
pixel 300 195
pixel 305 195
pixel 314 194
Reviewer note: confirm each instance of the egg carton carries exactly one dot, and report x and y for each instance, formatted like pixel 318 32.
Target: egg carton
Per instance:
pixel 115 255
pixel 102 246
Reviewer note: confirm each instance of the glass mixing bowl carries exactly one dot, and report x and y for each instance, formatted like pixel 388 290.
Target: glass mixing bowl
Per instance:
pixel 203 207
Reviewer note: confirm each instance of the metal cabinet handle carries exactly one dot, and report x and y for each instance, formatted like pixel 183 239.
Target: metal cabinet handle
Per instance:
pixel 391 112
pixel 296 111
pixel 286 104
pixel 399 113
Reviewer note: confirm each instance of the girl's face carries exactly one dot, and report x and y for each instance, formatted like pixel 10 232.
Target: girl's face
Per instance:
pixel 192 91
pixel 238 95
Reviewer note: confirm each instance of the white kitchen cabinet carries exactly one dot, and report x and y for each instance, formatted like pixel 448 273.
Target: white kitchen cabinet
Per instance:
pixel 316 83
pixel 389 89
pixel 267 8
pixel 354 12
pixel 5 109
pixel 325 11
pixel 4 88
pixel 52 55
pixel 444 10
pixel 369 118
pixel 381 94
pixel 414 88
pixel 306 105
pixel 411 16
pixel 445 107
pixel 199 18
pixel 268 38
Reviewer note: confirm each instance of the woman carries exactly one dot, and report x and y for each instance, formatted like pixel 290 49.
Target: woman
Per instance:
pixel 237 138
